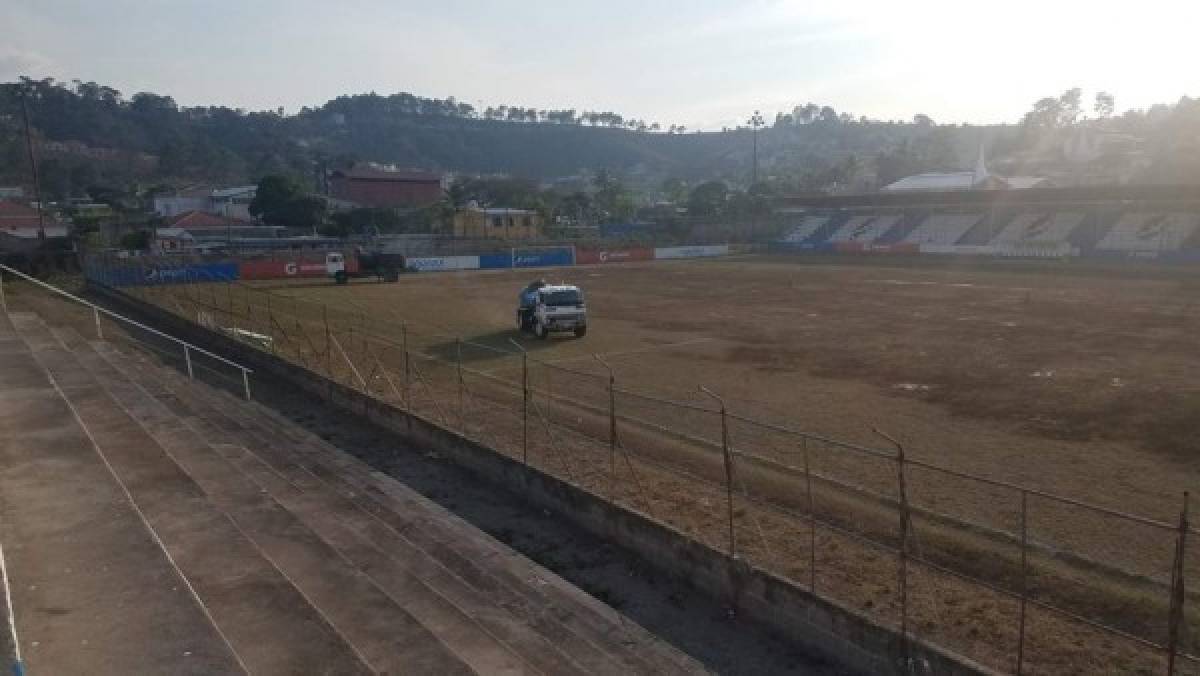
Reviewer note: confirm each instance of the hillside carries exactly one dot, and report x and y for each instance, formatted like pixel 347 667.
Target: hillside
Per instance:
pixel 89 134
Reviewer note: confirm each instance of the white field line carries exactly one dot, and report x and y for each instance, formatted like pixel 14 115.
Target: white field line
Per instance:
pixel 603 355
pixel 12 613
pixel 627 353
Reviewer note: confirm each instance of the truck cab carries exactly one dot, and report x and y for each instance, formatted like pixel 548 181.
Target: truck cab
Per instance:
pixel 557 308
pixel 335 266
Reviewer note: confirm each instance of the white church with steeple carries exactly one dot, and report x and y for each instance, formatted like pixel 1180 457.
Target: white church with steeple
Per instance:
pixel 978 179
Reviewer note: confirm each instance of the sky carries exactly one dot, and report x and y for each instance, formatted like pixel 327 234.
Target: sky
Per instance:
pixel 704 63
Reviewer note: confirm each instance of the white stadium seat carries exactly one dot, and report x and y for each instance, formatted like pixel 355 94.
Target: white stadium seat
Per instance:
pixel 1149 232
pixel 807 227
pixel 865 229
pixel 1039 228
pixel 943 229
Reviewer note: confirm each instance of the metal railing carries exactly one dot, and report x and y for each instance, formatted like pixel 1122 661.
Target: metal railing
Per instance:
pixel 97 311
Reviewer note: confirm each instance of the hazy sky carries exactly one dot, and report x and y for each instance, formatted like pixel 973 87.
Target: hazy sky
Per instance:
pixel 703 63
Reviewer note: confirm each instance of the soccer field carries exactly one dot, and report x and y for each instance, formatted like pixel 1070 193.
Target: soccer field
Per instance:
pixel 1046 379
pixel 1082 382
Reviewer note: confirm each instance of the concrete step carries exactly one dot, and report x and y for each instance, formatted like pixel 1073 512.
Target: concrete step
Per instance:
pixel 488 566
pixel 381 632
pixel 93 589
pixel 469 622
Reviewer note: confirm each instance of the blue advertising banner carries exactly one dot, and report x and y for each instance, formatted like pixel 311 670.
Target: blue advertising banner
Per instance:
pixel 135 274
pixel 543 258
pixel 495 261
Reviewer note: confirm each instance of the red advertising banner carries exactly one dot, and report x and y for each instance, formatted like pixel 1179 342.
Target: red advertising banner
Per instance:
pixel 591 256
pixel 289 268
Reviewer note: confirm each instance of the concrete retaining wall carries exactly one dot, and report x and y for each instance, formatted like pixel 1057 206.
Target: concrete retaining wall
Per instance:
pixel 822 626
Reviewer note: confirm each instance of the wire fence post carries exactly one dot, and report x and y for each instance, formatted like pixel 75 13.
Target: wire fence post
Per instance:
pixel 187 357
pixel 462 410
pixel 3 299
pixel 812 523
pixel 612 425
pixel 270 323
pixel 96 317
pixel 525 407
pixel 902 575
pixel 1024 580
pixel 246 383
pixel 407 366
pixel 328 352
pixel 727 452
pixel 1177 588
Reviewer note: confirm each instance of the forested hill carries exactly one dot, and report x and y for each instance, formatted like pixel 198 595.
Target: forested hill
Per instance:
pixel 92 134
pixel 222 144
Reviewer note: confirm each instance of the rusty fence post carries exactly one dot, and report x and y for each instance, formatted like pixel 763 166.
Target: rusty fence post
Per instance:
pixel 524 401
pixel 270 323
pixel 407 367
pixel 462 410
pixel 328 334
pixel 612 425
pixel 902 573
pixel 524 407
pixel 727 453
pixel 1024 580
pixel 1175 619
pixel 812 522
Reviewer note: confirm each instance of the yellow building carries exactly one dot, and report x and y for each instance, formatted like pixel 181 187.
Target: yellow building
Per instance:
pixel 497 223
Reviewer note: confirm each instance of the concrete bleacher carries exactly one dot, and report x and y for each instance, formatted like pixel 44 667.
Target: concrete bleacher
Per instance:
pixel 1039 227
pixel 865 228
pixel 808 226
pixel 1149 232
pixel 942 229
pixel 153 524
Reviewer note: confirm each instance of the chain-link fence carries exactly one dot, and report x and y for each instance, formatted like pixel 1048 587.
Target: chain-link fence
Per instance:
pixel 1017 578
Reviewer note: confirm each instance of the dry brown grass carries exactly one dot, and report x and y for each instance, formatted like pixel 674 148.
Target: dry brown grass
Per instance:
pixel 1108 418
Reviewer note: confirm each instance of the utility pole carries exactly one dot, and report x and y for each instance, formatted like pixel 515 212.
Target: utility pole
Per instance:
pixel 37 184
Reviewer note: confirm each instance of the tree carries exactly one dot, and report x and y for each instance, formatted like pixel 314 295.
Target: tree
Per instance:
pixel 675 190
pixel 922 120
pixel 1105 105
pixel 138 240
pixel 280 200
pixel 708 200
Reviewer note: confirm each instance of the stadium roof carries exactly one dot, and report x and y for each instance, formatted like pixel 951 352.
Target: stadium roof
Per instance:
pixel 956 180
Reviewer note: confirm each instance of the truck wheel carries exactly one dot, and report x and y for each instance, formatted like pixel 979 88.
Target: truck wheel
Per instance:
pixel 581 332
pixel 340 277
pixel 539 330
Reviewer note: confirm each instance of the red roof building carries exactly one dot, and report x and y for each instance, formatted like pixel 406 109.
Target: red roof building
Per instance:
pixel 371 186
pixel 18 220
pixel 203 219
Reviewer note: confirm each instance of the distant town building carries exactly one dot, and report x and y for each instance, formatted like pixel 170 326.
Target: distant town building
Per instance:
pixel 21 230
pixel 381 187
pixel 229 202
pixel 497 223
pixel 978 179
pixel 199 230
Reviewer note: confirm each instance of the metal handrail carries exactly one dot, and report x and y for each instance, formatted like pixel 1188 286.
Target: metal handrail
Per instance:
pixel 188 348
